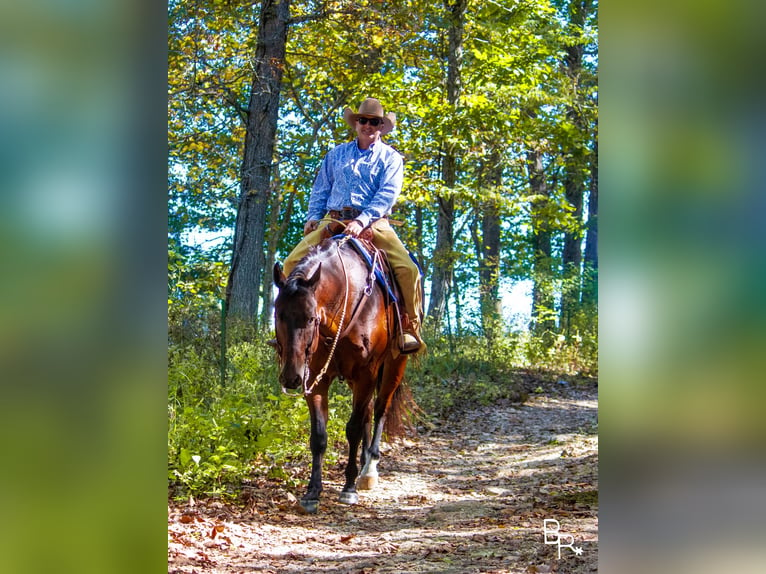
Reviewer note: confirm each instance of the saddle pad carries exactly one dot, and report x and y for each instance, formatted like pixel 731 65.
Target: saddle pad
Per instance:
pixel 379 275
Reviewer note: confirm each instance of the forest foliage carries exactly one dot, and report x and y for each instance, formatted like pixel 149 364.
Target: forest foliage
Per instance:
pixel 497 121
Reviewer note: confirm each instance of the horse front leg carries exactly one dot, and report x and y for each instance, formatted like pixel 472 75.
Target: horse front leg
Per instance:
pixel 317 403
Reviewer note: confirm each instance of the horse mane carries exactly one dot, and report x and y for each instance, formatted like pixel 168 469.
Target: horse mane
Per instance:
pixel 303 270
pixel 305 266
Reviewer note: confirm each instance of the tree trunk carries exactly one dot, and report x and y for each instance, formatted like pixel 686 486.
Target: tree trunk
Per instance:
pixel 572 253
pixel 419 237
pixel 489 255
pixel 276 231
pixel 590 273
pixel 248 256
pixel 542 273
pixel 441 280
pixel 456 293
pixel 574 186
pixel 443 260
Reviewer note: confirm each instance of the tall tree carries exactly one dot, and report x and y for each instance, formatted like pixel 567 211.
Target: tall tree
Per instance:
pixel 590 274
pixel 443 260
pixel 488 246
pixel 248 257
pixel 575 91
pixel 572 253
pixel 543 322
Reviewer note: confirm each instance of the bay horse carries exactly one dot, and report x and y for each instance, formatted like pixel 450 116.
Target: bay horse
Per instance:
pixel 333 321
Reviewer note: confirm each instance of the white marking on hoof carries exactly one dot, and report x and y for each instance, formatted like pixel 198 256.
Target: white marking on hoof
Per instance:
pixel 369 475
pixel 348 497
pixel 367 482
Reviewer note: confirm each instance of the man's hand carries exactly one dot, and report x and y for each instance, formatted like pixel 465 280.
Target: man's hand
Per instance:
pixel 353 228
pixel 310 226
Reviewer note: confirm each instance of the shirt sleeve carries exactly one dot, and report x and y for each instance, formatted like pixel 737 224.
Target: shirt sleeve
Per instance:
pixel 320 193
pixel 388 192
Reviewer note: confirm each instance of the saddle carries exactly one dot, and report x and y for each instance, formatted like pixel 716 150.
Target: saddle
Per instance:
pixel 376 261
pixel 377 264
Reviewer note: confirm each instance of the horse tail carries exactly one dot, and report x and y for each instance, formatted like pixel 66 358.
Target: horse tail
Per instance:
pixel 402 413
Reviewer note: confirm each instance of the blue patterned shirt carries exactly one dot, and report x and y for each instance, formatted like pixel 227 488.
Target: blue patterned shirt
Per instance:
pixel 369 180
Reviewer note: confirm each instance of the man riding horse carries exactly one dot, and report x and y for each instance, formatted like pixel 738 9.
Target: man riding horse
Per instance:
pixel 359 183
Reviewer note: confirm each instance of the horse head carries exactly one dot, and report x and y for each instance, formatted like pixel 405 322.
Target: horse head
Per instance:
pixel 296 324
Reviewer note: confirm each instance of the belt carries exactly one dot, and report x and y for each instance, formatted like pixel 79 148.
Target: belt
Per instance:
pixel 348 213
pixel 344 214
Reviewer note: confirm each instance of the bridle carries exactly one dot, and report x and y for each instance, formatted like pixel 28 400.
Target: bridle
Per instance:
pixel 323 371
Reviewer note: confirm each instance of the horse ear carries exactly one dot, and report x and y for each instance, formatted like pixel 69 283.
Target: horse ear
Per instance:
pixel 312 281
pixel 279 277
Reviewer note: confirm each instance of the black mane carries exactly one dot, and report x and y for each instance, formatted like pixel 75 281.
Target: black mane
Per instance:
pixel 302 271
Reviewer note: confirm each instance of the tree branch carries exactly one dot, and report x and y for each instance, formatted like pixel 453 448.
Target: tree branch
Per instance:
pixel 319 16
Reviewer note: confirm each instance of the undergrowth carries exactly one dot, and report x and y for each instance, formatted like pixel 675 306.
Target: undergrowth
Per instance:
pixel 221 433
pixel 224 433
pixel 459 373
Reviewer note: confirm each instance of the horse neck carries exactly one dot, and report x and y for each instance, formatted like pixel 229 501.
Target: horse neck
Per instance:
pixel 337 285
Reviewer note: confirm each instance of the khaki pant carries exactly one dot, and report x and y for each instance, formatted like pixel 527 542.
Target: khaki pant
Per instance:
pixel 385 238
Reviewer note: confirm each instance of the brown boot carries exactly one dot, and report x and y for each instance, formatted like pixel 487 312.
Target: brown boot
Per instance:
pixel 410 341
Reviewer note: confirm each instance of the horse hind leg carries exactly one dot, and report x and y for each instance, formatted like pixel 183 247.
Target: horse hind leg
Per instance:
pixel 357 430
pixel 391 375
pixel 368 479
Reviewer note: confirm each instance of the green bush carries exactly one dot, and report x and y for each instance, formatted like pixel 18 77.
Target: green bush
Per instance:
pixel 223 434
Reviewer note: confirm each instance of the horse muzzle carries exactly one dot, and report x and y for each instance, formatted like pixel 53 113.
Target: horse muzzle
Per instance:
pixel 292 378
pixel 290 383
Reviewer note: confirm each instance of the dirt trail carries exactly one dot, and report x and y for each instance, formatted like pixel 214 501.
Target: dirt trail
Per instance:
pixel 469 495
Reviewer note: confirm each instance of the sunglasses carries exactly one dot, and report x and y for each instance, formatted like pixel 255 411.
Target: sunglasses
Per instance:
pixel 373 121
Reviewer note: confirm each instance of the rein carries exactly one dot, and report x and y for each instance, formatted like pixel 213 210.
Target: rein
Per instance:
pixel 308 390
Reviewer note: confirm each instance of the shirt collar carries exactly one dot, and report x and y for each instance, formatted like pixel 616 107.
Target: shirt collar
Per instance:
pixel 369 149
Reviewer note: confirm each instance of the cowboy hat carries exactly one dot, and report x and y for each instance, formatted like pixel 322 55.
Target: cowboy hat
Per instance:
pixel 371 107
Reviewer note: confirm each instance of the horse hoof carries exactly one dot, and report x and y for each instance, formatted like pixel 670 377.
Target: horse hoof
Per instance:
pixel 310 506
pixel 348 497
pixel 367 482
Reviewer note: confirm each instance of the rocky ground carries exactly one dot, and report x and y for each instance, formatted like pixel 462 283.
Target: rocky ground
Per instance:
pixel 467 495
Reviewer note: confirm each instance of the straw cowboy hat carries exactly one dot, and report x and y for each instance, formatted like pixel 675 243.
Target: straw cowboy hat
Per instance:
pixel 371 107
